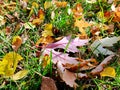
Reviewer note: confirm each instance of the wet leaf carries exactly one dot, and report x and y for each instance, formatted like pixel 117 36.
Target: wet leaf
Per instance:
pixel 19 75
pixel 108 71
pixel 16 42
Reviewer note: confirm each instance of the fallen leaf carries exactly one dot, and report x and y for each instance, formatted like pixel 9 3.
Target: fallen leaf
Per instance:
pixel 73 43
pixel 48 84
pixel 9 63
pixel 16 42
pixel 67 76
pixel 98 45
pixel 19 75
pixel 45 40
pixel 77 11
pixel 61 4
pixel 108 71
pixel 81 24
pixel 47 30
pixel 47 4
pixel 100 67
pixel 2 20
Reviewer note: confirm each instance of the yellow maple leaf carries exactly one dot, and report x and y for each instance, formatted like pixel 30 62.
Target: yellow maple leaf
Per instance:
pixel 47 30
pixel 108 71
pixel 9 63
pixel 16 42
pixel 81 24
pixel 19 75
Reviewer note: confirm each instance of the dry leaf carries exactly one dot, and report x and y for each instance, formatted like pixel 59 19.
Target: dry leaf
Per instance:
pixel 41 14
pixel 47 30
pixel 19 75
pixel 98 45
pixel 47 4
pixel 2 20
pixel 77 11
pixel 45 40
pixel 100 67
pixel 81 24
pixel 16 42
pixel 37 21
pixel 48 84
pixel 108 71
pixel 61 4
pixel 67 76
pixel 9 63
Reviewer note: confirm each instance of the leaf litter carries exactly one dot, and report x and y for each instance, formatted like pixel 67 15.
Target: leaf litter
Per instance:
pixel 91 34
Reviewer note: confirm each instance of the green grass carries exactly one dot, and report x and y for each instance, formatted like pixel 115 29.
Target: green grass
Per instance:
pixel 65 24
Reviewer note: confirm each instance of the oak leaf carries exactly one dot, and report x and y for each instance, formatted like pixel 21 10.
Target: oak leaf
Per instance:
pixel 98 45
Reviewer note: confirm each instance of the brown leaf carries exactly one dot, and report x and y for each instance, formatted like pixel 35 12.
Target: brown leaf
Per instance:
pixel 100 67
pixel 67 76
pixel 48 84
pixel 16 43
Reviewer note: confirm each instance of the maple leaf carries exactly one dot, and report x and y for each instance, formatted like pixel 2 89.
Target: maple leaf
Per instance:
pixel 81 24
pixel 98 45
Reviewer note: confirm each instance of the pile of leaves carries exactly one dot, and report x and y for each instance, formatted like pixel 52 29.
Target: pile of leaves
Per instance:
pixel 59 41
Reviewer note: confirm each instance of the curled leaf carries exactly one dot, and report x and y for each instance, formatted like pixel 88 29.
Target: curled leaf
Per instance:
pixel 16 42
pixel 108 71
pixel 100 67
pixel 19 75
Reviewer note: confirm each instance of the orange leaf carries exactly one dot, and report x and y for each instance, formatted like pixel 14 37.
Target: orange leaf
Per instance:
pixel 61 4
pixel 81 24
pixel 77 11
pixel 16 42
pixel 109 71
